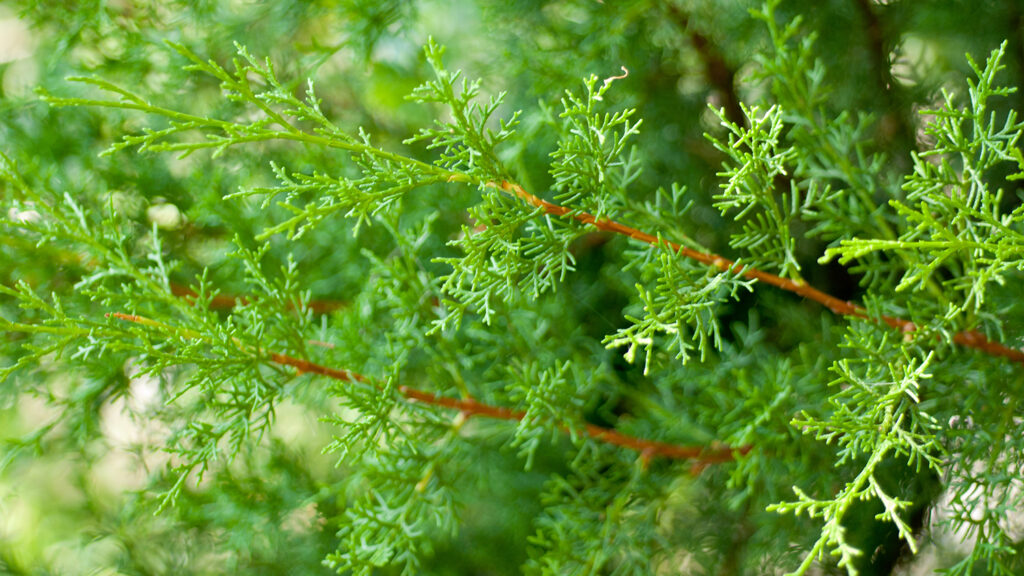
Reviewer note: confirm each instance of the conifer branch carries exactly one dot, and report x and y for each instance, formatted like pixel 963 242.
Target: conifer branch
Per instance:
pixel 469 407
pixel 478 301
pixel 648 448
pixel 968 338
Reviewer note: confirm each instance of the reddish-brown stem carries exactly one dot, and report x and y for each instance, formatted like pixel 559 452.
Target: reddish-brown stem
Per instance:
pixel 470 407
pixel 649 448
pixel 970 339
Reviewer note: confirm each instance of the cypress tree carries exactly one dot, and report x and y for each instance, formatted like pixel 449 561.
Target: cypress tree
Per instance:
pixel 559 287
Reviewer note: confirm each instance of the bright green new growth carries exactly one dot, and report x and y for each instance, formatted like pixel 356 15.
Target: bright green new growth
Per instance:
pixel 750 190
pixel 953 217
pixel 460 284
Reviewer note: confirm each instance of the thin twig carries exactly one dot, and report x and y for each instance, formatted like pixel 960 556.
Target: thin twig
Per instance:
pixel 969 338
pixel 469 407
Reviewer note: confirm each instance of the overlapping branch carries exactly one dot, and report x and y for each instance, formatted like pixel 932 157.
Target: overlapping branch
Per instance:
pixel 469 407
pixel 968 338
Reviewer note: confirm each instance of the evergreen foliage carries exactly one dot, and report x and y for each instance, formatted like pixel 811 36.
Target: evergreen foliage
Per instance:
pixel 555 287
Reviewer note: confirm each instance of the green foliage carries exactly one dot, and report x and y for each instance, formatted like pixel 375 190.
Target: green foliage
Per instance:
pixel 323 302
pixel 957 222
pixel 750 190
pixel 684 305
pixel 590 168
pixel 876 413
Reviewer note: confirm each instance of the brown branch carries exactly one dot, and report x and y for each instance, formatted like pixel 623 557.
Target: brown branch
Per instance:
pixel 469 407
pixel 969 339
pixel 648 448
